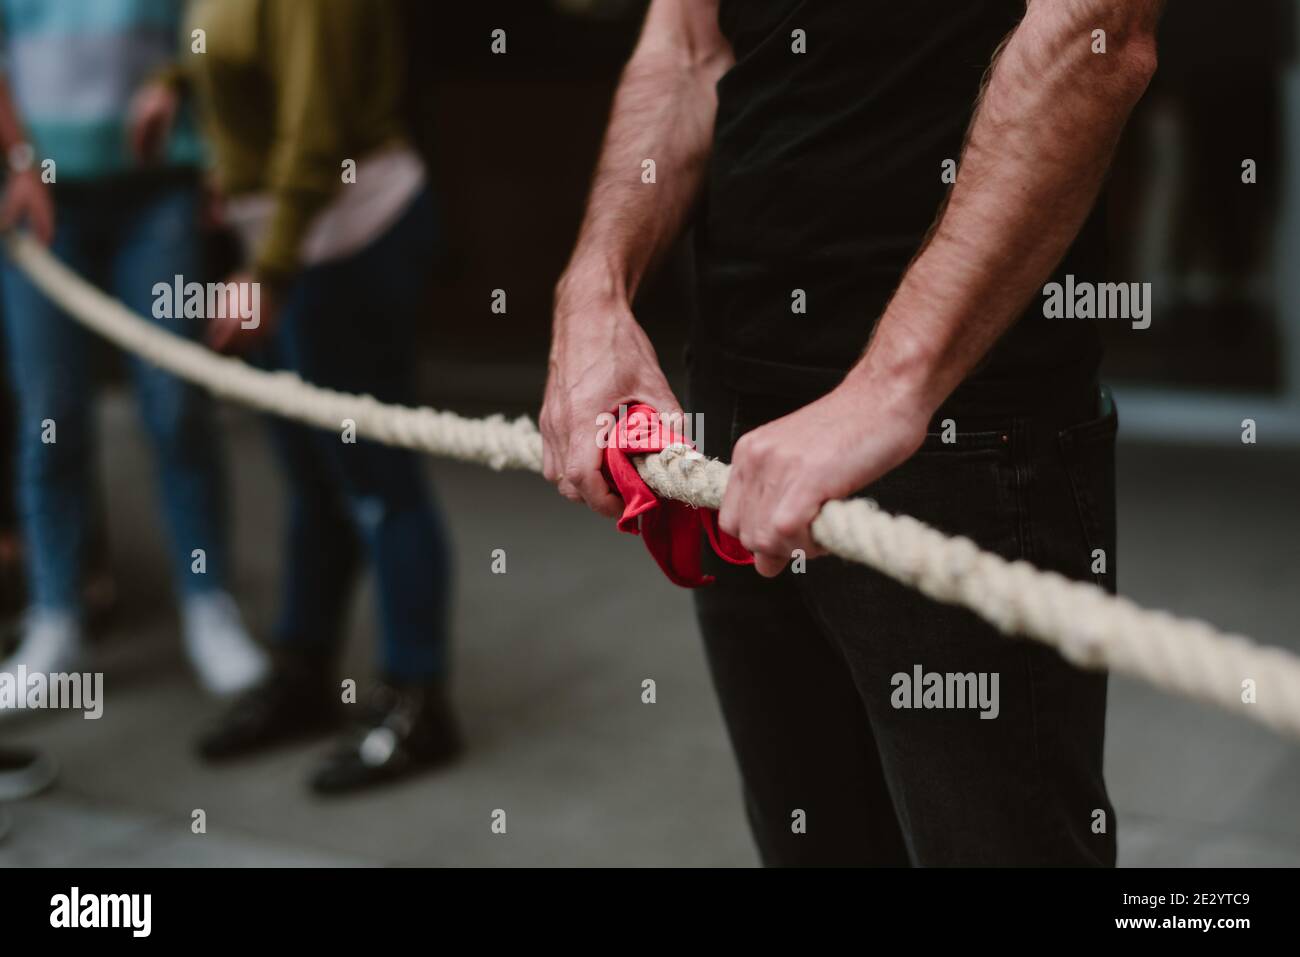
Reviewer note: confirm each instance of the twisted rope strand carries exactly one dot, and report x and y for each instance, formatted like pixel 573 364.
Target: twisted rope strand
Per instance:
pixel 1085 624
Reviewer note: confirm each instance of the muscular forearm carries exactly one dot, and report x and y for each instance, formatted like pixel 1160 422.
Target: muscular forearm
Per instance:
pixel 1036 155
pixel 663 111
pixel 600 357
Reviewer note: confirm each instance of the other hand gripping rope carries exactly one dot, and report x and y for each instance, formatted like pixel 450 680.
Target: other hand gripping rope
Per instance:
pixel 1085 624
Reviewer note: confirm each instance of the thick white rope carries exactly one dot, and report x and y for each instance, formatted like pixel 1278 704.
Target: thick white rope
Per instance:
pixel 1085 624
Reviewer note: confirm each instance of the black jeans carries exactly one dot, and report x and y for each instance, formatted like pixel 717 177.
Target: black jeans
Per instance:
pixel 812 668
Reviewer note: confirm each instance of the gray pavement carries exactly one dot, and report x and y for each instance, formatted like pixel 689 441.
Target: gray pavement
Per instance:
pixel 550 659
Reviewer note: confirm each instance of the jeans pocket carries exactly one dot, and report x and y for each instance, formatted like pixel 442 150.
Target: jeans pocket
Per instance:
pixel 751 410
pixel 1088 453
pixel 962 483
pixel 953 441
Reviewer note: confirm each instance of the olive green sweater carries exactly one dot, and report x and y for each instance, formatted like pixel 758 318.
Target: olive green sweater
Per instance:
pixel 291 89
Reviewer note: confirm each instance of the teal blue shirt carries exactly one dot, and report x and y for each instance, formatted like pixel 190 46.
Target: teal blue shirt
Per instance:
pixel 73 66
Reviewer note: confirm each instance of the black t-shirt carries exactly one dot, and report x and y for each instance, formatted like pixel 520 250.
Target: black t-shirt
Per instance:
pixel 826 176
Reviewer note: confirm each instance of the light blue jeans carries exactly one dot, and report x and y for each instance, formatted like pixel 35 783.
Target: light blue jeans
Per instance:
pixel 124 236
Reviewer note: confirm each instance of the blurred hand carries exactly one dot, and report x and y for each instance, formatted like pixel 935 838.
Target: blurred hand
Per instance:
pixel 234 335
pixel 27 201
pixel 600 359
pixel 783 472
pixel 150 118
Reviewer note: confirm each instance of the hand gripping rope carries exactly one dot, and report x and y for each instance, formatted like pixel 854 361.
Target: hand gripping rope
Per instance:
pixel 1088 626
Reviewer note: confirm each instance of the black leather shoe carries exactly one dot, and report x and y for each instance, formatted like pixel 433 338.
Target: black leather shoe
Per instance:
pixel 404 731
pixel 298 701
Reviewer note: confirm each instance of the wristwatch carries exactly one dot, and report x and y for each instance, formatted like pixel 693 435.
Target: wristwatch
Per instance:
pixel 21 157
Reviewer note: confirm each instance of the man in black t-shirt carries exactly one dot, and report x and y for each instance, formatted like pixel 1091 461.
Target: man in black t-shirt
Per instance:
pixel 881 191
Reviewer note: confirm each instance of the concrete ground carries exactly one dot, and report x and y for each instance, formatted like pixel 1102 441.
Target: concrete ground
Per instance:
pixel 550 662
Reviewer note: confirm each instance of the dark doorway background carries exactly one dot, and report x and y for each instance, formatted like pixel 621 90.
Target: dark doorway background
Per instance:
pixel 518 136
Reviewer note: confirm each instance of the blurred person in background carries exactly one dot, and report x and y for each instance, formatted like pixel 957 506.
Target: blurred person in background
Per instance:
pixel 23 771
pixel 120 211
pixel 12 586
pixel 308 107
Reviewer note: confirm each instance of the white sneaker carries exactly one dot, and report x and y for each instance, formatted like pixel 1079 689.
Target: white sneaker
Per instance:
pixel 224 655
pixel 52 643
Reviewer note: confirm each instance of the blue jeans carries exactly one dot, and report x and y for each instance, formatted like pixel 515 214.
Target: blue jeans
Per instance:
pixel 124 236
pixel 350 324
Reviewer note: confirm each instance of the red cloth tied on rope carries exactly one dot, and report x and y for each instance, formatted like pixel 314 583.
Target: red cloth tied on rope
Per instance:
pixel 670 529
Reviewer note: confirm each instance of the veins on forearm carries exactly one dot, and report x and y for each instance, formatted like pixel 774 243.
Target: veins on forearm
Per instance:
pixel 662 112
pixel 1042 137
